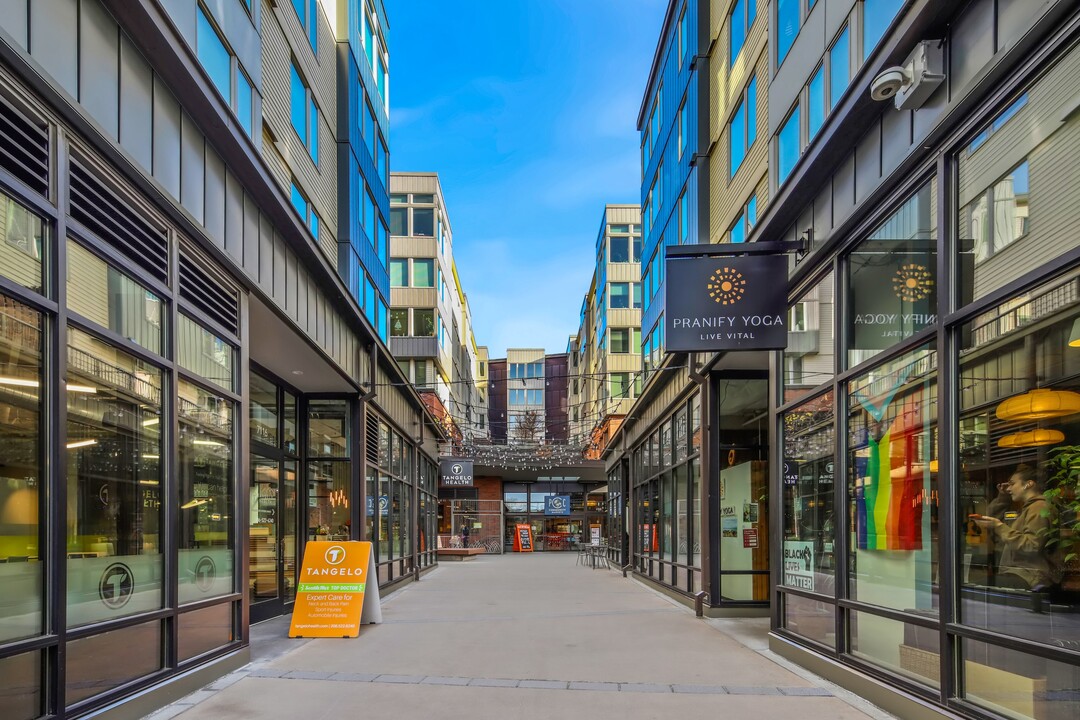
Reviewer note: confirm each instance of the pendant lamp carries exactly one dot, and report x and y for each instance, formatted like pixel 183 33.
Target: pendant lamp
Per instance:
pixel 1039 404
pixel 1074 334
pixel 1032 438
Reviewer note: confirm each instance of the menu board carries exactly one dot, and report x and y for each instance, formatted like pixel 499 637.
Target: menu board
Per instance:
pixel 334 596
pixel 523 538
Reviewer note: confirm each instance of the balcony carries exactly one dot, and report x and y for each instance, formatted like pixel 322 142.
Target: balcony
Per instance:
pixel 414 347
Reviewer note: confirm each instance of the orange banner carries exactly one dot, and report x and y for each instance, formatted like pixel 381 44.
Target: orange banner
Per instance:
pixel 333 596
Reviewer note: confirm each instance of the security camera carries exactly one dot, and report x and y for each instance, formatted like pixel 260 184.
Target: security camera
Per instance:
pixel 888 82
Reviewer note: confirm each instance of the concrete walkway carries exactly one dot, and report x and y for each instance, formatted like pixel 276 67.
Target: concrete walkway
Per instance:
pixel 523 636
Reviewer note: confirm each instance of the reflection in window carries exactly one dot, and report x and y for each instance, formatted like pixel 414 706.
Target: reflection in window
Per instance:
pixel 329 500
pixel 1000 216
pixel 328 428
pixel 203 353
pixel 1037 687
pixel 264 410
pixel 20 471
pixel 101 293
pixel 787 27
pixel 205 497
pixel 788 145
pixel 21 244
pixel 892 278
pixel 114 513
pixel 809 550
pixel 424 222
pixel 423 273
pixel 877 15
pixel 892 484
pixel 22 686
pixel 1019 430
pixel 809 357
pixel 423 322
pixel 132 652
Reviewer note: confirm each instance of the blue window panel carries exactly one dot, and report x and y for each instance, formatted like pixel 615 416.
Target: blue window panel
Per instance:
pixel 751 112
pixel 399 272
pixel 299 202
pixel 298 6
pixel 245 109
pixel 313 132
pixel 369 41
pixel 313 25
pixel 737 138
pixel 298 105
pixel 382 320
pixel 382 244
pixel 751 211
pixel 635 291
pixel 738 28
pixel 314 225
pixel 877 16
pixel 214 56
pixel 738 230
pixel 684 221
pixel 816 101
pixel 839 68
pixel 369 297
pixel 788 148
pixel 787 27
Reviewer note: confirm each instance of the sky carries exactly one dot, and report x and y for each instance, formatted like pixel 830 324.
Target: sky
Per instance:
pixel 527 110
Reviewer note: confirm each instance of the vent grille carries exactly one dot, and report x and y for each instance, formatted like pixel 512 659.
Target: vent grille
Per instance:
pixel 205 293
pixel 24 149
pixel 113 220
pixel 371 447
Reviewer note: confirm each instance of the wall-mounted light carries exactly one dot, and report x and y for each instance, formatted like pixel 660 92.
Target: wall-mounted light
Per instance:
pixel 1074 334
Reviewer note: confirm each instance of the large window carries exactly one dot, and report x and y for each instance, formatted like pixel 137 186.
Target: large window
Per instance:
pixel 307 11
pixel 114 479
pixel 787 27
pixel 423 272
pixel 423 222
pixel 304 113
pixel 839 67
pixel 877 15
pixel 217 60
pixel 21 247
pixel 742 17
pixel 788 146
pixel 21 470
pixel 742 130
pixel 424 322
pixel 399 272
pixel 620 295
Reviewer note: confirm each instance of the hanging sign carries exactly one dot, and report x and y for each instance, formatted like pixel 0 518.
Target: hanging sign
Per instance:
pixel 456 472
pixel 726 303
pixel 557 505
pixel 334 597
pixel 523 538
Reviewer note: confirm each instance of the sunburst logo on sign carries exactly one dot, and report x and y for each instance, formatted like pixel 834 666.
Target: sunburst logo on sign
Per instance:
pixel 726 286
pixel 912 282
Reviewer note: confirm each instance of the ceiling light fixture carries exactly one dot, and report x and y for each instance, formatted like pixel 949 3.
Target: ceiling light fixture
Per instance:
pixel 81 444
pixel 1039 404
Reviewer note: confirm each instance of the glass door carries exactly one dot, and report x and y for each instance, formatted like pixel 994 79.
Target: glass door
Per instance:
pixel 265 535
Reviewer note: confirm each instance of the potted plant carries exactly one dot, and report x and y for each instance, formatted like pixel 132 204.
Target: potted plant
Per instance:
pixel 1063 493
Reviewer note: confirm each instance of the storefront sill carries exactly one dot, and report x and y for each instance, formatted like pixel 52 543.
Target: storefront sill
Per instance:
pixel 733 610
pixel 154 698
pixel 891 699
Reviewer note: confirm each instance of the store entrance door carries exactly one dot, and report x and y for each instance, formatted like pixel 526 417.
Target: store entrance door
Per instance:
pixel 272 535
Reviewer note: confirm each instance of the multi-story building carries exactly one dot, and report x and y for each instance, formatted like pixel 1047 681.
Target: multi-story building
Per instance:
pixel 187 363
pixel 431 332
pixel 605 355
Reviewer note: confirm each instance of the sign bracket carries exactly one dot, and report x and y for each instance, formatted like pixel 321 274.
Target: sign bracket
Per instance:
pixel 771 247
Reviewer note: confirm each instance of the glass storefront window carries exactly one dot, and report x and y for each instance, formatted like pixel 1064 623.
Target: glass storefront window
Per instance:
pixel 22 244
pixel 204 630
pixel 1016 191
pixel 201 352
pixel 810 550
pixel 1015 684
pixel 264 410
pixel 205 494
pixel 21 694
pixel 810 356
pixel 892 484
pixel 812 619
pixel 289 434
pixel 891 279
pixel 20 470
pixel 114 512
pixel 102 294
pixel 329 499
pixel 902 647
pixel 328 428
pixel 1019 431
pixel 384 548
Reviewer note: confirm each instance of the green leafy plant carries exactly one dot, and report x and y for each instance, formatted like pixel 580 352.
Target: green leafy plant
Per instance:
pixel 1063 493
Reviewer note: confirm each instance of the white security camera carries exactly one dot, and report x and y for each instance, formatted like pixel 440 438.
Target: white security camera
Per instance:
pixel 888 82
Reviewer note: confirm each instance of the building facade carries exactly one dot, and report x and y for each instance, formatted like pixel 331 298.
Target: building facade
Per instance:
pixel 605 354
pixel 914 450
pixel 190 386
pixel 431 322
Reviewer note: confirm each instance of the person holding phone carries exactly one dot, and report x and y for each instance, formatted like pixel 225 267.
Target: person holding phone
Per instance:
pixel 1024 564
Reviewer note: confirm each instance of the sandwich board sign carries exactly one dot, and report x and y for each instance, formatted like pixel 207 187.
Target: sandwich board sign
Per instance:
pixel 334 596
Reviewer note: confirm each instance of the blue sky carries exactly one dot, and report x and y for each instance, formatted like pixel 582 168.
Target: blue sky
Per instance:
pixel 527 110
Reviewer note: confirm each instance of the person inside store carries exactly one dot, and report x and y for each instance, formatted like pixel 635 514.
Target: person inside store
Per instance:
pixel 1020 520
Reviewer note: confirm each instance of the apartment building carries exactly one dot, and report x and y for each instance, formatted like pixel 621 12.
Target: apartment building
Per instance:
pixel 431 332
pixel 188 352
pixel 605 354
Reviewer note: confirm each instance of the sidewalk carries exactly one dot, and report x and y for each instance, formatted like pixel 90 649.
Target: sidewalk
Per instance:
pixel 523 636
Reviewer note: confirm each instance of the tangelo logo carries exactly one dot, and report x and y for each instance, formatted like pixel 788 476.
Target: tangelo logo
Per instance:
pixel 335 555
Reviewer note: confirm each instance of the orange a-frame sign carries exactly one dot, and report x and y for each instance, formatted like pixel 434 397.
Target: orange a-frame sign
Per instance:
pixel 333 596
pixel 523 538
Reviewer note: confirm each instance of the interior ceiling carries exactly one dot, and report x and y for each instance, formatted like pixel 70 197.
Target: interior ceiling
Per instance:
pixel 285 352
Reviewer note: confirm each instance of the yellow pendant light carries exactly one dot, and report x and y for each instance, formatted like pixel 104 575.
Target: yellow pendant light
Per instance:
pixel 1039 404
pixel 1032 438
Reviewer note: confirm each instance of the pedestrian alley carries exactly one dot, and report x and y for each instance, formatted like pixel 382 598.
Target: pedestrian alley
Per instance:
pixel 523 636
